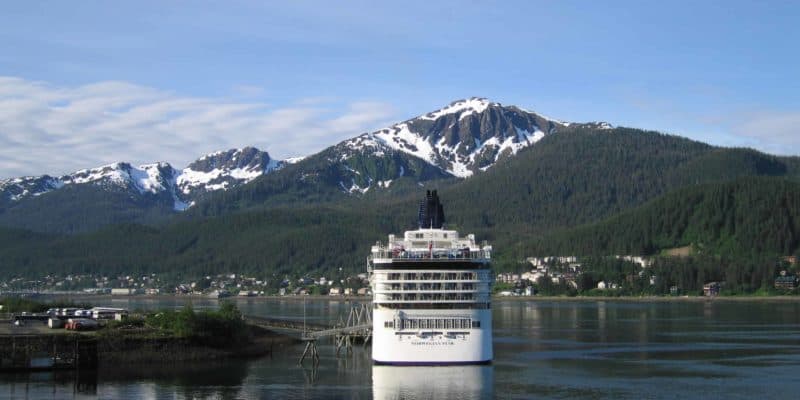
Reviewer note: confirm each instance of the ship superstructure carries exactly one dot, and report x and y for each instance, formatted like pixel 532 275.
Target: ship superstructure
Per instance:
pixel 431 295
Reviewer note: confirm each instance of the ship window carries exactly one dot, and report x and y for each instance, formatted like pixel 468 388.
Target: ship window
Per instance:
pixel 388 324
pixel 445 236
pixel 476 324
pixel 418 236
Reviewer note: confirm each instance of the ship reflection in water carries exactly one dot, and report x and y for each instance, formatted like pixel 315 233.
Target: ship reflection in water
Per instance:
pixel 443 382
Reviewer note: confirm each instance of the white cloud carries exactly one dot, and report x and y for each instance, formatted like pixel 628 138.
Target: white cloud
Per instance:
pixel 774 132
pixel 50 129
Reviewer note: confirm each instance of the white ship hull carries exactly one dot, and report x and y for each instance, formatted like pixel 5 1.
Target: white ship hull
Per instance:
pixel 432 346
pixel 431 295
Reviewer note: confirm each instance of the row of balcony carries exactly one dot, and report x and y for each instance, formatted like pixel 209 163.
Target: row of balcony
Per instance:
pixel 433 276
pixel 446 286
pixel 430 297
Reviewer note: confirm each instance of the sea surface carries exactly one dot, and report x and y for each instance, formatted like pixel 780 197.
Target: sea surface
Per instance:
pixel 543 349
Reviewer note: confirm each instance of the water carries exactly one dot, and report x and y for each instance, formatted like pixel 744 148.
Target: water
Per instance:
pixel 591 349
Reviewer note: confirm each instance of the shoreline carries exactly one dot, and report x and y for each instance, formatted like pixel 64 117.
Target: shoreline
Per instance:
pixel 649 299
pixel 361 299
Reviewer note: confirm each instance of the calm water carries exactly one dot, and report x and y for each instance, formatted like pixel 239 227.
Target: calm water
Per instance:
pixel 595 350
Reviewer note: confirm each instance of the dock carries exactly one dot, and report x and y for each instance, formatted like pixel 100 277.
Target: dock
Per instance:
pixel 356 328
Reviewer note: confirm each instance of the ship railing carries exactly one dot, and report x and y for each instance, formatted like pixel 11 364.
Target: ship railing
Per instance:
pixel 427 279
pixel 398 298
pixel 437 254
pixel 484 288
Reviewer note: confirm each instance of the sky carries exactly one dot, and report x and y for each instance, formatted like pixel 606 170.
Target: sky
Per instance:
pixel 88 83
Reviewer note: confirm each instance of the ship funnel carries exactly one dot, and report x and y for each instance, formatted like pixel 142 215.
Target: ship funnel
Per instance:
pixel 431 213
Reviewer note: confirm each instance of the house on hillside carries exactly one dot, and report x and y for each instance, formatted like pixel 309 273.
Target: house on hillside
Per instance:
pixel 787 281
pixel 712 289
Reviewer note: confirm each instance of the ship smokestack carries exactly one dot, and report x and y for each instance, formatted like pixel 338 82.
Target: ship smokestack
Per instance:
pixel 431 212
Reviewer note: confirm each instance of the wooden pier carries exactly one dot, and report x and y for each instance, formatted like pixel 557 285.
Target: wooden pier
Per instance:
pixel 356 328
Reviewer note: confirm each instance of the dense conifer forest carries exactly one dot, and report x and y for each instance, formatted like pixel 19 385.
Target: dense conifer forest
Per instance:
pixel 581 191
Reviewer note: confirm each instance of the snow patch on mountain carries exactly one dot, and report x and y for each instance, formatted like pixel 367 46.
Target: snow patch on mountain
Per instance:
pixel 148 178
pixel 400 137
pixel 354 188
pixel 110 173
pixel 475 105
pixel 190 180
pixel 294 160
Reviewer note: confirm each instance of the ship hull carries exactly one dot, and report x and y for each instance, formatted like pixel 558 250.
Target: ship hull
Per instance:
pixel 438 343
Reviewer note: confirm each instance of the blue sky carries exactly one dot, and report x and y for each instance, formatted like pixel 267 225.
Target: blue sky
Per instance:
pixel 88 83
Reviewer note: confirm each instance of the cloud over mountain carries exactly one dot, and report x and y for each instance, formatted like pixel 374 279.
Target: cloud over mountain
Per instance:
pixel 46 128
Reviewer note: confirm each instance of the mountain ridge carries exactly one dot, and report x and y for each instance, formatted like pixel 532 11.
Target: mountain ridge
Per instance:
pixel 214 171
pixel 579 176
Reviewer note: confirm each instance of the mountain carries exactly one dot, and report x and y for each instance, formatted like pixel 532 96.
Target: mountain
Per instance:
pixel 464 138
pixel 121 192
pixel 581 175
pixel 223 170
pixel 322 212
pixel 459 141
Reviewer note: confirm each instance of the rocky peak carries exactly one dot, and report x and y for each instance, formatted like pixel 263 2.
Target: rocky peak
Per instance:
pixel 246 158
pixel 223 170
pixel 464 137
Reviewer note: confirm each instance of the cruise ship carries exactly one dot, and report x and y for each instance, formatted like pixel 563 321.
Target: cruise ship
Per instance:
pixel 431 295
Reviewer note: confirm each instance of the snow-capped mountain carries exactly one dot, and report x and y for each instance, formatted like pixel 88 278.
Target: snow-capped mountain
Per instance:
pixel 463 138
pixel 455 142
pixel 217 171
pixel 223 170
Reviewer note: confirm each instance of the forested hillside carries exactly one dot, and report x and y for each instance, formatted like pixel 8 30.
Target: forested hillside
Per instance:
pixel 76 209
pixel 583 175
pixel 523 205
pixel 746 217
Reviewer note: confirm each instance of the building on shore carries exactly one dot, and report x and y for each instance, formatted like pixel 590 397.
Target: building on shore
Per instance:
pixel 787 281
pixel 712 289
